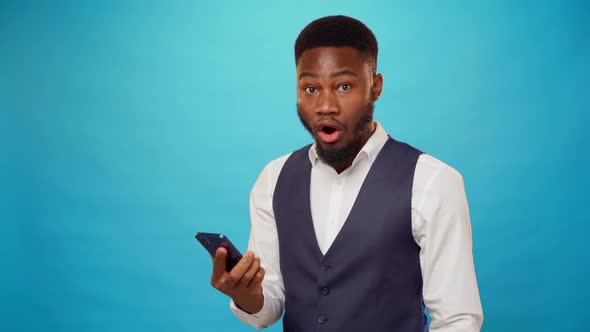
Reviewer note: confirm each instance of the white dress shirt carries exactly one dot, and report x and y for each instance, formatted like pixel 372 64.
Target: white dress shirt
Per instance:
pixel 440 226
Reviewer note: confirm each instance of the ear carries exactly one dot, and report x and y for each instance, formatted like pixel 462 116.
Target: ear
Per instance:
pixel 377 86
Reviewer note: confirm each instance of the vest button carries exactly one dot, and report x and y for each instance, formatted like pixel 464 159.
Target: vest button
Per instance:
pixel 324 266
pixel 322 319
pixel 325 291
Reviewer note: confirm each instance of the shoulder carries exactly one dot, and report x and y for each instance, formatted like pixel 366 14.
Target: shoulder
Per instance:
pixel 436 182
pixel 274 167
pixel 429 167
pixel 267 178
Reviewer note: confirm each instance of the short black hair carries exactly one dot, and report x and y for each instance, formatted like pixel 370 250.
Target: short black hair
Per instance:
pixel 338 31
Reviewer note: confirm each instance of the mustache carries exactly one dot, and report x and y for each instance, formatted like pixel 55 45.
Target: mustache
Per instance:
pixel 323 119
pixel 330 121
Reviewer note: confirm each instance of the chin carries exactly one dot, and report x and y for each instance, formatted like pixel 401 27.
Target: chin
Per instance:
pixel 331 146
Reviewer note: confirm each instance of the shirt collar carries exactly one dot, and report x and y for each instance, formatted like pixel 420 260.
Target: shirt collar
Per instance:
pixel 370 150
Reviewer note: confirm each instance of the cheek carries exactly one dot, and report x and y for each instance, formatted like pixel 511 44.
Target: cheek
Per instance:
pixel 354 113
pixel 303 97
pixel 305 103
pixel 353 108
pixel 304 112
pixel 358 98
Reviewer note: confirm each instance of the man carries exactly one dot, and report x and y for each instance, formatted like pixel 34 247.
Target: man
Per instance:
pixel 357 232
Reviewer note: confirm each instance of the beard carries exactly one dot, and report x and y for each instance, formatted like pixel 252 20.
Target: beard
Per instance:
pixel 343 157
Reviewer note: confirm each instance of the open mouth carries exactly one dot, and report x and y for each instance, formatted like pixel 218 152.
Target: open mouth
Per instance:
pixel 328 130
pixel 329 133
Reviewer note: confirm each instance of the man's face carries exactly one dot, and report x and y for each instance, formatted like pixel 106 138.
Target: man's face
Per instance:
pixel 336 89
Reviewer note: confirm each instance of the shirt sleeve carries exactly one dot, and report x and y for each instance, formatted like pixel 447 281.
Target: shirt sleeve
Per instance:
pixel 442 229
pixel 264 243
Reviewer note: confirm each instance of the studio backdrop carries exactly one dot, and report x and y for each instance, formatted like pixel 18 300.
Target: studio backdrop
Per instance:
pixel 128 126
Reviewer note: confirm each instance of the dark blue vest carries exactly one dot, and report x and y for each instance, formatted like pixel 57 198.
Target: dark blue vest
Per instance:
pixel 370 278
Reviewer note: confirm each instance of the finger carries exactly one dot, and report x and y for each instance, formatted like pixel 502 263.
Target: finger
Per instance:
pixel 238 271
pixel 218 266
pixel 250 273
pixel 257 279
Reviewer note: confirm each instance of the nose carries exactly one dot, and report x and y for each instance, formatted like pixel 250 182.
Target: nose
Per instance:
pixel 327 103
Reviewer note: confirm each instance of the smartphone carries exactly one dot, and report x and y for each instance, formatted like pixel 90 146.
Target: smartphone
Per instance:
pixel 212 241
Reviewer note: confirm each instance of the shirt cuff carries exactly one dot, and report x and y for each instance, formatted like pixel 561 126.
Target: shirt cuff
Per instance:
pixel 258 320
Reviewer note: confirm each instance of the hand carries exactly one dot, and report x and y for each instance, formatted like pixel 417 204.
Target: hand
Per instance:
pixel 243 283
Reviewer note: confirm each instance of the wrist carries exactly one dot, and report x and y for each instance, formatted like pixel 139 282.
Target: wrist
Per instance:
pixel 251 305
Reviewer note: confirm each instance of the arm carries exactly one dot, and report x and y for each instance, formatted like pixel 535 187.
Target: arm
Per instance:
pixel 265 244
pixel 442 228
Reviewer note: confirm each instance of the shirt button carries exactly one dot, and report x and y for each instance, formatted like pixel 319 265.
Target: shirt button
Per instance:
pixel 325 291
pixel 322 319
pixel 324 266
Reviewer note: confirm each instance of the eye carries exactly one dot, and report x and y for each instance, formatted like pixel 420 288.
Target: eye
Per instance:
pixel 344 87
pixel 310 89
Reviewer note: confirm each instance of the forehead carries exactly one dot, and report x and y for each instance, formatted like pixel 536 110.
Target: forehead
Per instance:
pixel 330 59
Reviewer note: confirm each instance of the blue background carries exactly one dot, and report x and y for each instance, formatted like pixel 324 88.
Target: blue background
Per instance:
pixel 126 127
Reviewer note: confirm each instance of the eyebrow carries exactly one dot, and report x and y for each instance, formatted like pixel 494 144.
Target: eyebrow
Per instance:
pixel 334 74
pixel 343 72
pixel 308 74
